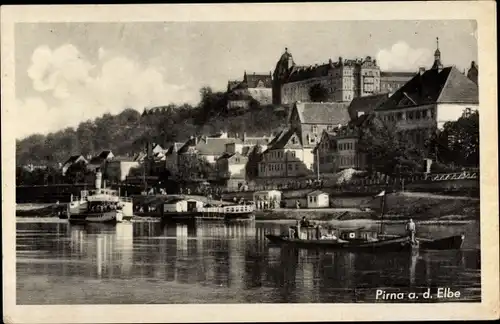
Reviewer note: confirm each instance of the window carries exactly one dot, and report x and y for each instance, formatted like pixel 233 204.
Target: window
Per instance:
pixel 296 167
pixel 314 129
pixel 293 153
pixel 290 167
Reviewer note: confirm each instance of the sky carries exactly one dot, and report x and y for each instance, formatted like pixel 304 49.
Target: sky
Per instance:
pixel 67 73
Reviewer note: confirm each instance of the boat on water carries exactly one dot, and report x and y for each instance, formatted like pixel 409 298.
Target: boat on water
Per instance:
pixel 372 244
pixel 99 211
pixel 195 209
pixel 304 235
pixel 80 205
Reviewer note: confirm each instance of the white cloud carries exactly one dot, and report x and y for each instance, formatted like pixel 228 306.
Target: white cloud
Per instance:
pixel 401 57
pixel 81 90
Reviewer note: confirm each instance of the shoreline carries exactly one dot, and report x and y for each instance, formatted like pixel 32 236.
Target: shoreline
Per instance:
pixel 350 222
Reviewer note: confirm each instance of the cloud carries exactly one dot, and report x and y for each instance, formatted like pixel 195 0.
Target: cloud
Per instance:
pixel 401 57
pixel 79 90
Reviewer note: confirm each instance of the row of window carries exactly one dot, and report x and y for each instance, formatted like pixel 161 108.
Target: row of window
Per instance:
pixel 409 115
pixel 345 161
pixel 312 199
pixel 279 154
pixel 278 167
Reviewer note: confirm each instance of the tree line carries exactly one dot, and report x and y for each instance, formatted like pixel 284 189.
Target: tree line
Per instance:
pixel 128 133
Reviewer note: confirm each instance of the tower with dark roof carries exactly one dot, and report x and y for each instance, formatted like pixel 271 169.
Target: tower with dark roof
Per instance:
pixel 283 67
pixel 437 57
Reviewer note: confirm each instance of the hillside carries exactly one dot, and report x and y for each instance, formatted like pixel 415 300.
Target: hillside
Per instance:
pixel 128 132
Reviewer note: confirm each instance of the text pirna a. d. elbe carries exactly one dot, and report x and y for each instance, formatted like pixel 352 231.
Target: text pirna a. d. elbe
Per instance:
pixel 441 293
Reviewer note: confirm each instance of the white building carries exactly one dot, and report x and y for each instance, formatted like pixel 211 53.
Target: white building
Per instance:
pixel 182 205
pixel 317 199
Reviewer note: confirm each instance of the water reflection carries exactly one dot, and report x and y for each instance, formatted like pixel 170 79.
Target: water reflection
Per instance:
pixel 222 263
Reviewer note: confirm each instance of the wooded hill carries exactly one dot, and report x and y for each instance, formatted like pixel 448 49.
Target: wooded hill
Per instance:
pixel 128 132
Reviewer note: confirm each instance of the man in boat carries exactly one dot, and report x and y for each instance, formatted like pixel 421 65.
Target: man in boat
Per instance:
pixel 410 229
pixel 304 222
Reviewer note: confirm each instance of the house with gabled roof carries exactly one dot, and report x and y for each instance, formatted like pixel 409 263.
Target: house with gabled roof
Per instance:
pixel 74 159
pixel 310 119
pixel 429 100
pixel 366 105
pixel 255 86
pixel 286 157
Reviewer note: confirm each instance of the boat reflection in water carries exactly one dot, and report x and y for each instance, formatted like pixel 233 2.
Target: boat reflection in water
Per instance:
pixel 147 262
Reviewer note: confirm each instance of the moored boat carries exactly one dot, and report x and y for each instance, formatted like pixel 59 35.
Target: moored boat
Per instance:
pixel 80 204
pixel 112 216
pixel 195 209
pixel 388 245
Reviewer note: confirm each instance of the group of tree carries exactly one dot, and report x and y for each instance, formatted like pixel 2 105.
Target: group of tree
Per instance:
pixel 128 132
pixel 389 151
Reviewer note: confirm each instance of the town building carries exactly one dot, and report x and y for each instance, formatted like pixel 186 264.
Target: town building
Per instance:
pixel 392 81
pixel 342 80
pixel 338 150
pixel 172 158
pixel 310 119
pixel 286 157
pixel 255 86
pixel 429 100
pixel 74 159
pixel 235 168
pixel 318 199
pixel 119 167
pixel 366 105
pixel 98 162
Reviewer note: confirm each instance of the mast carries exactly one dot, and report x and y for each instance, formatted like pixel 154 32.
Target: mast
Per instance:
pixel 382 214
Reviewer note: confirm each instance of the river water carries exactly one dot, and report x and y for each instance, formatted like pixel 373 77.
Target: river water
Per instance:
pixel 155 263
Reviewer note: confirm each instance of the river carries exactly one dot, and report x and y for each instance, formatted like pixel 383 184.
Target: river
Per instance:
pixel 155 263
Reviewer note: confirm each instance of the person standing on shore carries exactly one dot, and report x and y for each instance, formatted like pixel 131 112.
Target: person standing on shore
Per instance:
pixel 410 229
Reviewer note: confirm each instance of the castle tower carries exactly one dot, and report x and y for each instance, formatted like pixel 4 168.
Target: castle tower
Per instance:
pixel 437 57
pixel 283 67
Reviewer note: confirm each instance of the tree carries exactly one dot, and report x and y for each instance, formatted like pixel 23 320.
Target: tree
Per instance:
pixel 194 168
pixel 76 173
pixel 318 93
pixel 387 151
pixel 252 166
pixel 458 142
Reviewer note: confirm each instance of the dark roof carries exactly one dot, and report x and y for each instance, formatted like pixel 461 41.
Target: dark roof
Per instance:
pixel 174 147
pixel 283 140
pixel 434 86
pixel 104 154
pixel 97 160
pixel 252 80
pixel 301 73
pixel 366 104
pixel 330 113
pixel 397 74
pixel 73 158
pixel 208 145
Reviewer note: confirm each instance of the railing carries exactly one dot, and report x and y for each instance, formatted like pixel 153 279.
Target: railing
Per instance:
pixel 362 185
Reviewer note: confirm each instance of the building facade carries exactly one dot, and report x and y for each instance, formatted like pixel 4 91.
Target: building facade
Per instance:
pixel 342 80
pixel 255 86
pixel 286 157
pixel 429 100
pixel 338 150
pixel 310 119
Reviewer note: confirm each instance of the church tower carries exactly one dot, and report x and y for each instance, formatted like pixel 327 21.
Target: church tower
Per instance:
pixel 281 72
pixel 437 57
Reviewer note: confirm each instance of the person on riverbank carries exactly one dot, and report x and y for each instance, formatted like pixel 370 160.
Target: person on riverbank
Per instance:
pixel 410 229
